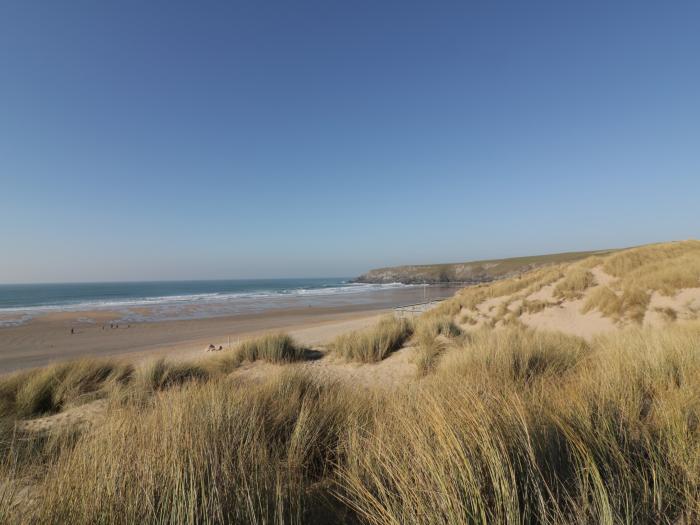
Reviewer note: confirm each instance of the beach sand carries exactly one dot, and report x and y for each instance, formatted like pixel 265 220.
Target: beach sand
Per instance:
pixel 48 338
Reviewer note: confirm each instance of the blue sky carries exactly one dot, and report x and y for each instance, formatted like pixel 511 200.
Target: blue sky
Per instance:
pixel 258 139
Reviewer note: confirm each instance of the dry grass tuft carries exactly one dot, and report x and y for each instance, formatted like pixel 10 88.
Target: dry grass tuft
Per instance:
pixel 161 374
pixel 274 348
pixel 575 282
pixel 533 306
pixel 51 389
pixel 668 313
pixel 374 344
pixel 431 336
pixel 469 319
pixel 630 305
pixel 206 453
pixel 520 354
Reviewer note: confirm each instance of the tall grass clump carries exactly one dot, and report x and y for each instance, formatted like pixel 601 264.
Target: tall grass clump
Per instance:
pixel 607 434
pixel 373 344
pixel 574 283
pixel 533 306
pixel 206 453
pixel 275 348
pixel 515 355
pixel 431 336
pixel 161 374
pixel 51 389
pixel 630 305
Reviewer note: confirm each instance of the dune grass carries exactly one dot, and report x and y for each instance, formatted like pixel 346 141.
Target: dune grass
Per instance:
pixel 637 272
pixel 515 355
pixel 626 261
pixel 564 434
pixel 431 335
pixel 533 306
pixel 375 343
pixel 668 313
pixel 575 282
pixel 162 374
pixel 49 390
pixel 513 426
pixel 275 348
pixel 666 267
pixel 523 285
pixel 204 453
pixel 631 304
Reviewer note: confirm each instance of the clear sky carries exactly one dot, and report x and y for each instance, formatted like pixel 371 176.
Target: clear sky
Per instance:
pixel 167 140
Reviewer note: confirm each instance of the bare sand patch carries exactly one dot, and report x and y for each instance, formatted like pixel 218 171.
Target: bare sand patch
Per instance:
pixel 567 317
pixel 546 293
pixel 684 305
pixel 601 277
pixel 87 414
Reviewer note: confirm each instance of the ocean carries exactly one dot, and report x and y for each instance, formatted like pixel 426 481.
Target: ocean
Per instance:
pixel 164 300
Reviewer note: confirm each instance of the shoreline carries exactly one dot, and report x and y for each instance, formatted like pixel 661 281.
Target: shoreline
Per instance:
pixel 47 339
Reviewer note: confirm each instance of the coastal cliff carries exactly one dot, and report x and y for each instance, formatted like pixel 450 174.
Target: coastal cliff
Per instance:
pixel 467 272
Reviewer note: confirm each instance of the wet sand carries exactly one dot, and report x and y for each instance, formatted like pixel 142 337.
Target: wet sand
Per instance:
pixel 48 338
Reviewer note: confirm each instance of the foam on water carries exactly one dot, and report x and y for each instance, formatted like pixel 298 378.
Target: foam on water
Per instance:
pixel 254 296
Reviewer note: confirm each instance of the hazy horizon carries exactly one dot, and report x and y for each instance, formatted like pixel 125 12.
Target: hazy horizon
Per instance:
pixel 286 277
pixel 240 141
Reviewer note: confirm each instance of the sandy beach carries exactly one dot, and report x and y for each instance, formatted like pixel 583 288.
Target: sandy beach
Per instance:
pixel 48 338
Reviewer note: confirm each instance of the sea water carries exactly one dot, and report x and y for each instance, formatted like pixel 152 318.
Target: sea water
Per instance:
pixel 156 300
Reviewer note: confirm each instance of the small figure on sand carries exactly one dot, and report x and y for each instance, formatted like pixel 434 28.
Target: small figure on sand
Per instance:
pixel 72 331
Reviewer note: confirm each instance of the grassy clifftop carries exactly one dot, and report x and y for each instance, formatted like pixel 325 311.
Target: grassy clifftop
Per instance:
pixel 469 272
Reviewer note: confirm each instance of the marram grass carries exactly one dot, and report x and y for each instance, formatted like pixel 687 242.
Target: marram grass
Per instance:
pixel 513 426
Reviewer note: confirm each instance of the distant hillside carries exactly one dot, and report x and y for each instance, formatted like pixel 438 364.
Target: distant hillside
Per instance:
pixel 469 272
